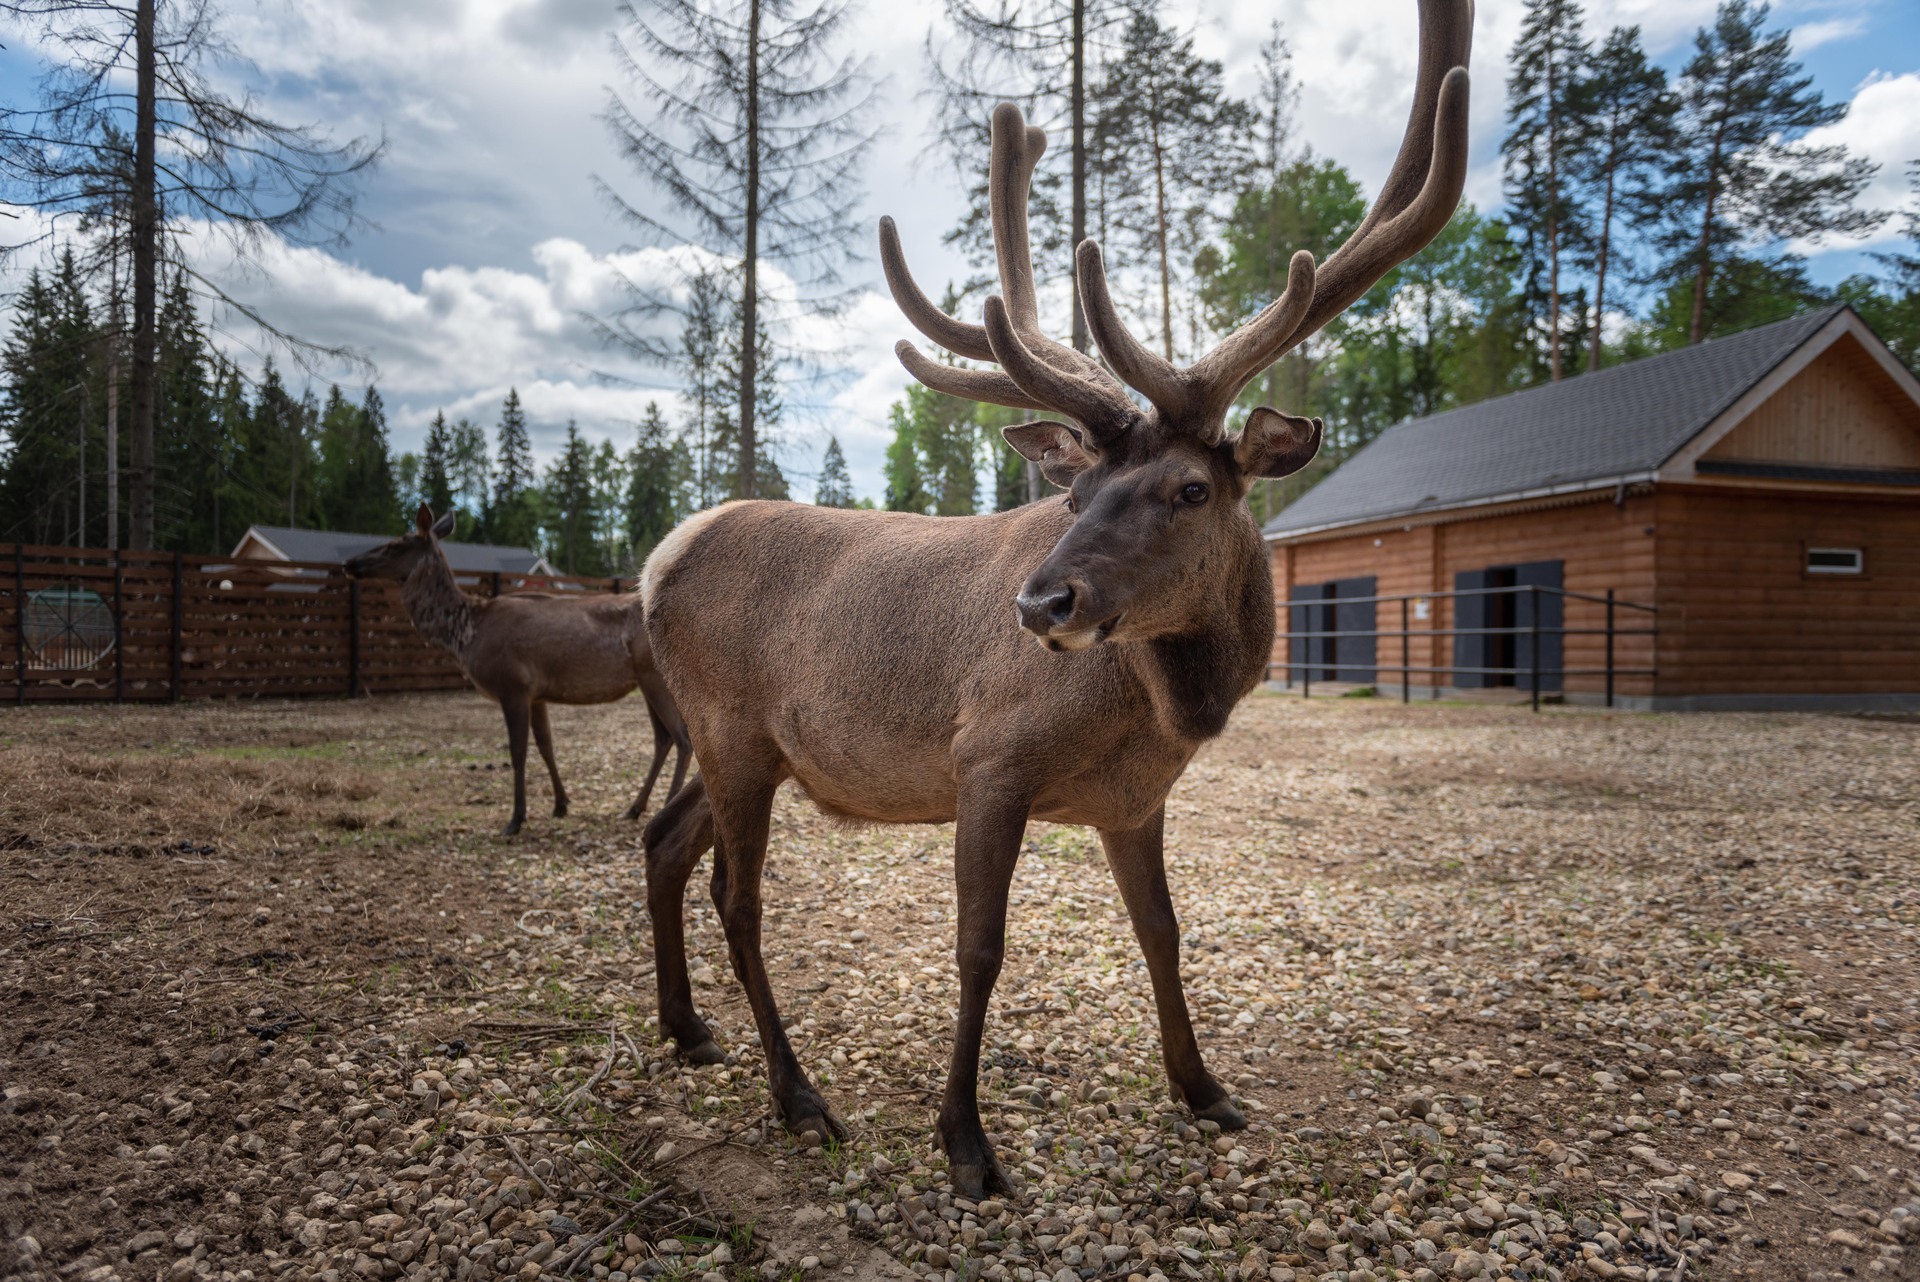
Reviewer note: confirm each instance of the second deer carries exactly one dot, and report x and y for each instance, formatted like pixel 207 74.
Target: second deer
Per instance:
pixel 528 649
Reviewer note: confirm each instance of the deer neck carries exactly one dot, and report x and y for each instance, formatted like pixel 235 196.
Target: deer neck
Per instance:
pixel 1196 677
pixel 440 610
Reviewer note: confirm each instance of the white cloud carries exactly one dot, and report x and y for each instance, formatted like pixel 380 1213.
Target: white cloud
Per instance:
pixel 1883 124
pixel 1811 35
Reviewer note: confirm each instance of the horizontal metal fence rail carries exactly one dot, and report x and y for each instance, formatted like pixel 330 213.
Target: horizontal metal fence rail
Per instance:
pixel 1534 671
pixel 94 624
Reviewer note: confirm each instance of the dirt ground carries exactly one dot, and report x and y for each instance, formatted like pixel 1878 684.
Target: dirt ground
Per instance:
pixel 1505 995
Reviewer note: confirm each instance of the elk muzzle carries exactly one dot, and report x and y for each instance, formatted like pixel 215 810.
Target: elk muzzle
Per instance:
pixel 1062 613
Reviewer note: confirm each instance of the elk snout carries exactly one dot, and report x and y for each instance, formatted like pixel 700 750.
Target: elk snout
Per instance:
pixel 1062 614
pixel 1047 608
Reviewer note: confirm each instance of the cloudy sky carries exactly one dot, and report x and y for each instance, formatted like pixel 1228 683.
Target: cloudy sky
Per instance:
pixel 490 242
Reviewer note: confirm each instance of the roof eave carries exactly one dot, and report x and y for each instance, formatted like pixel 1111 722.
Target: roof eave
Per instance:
pixel 1426 514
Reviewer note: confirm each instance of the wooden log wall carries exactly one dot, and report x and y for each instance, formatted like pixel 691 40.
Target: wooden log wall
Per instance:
pixel 167 626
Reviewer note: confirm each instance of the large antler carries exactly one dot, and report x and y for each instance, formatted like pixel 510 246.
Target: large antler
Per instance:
pixel 1039 373
pixel 1418 198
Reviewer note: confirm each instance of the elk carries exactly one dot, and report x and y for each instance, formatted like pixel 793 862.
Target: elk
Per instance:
pixel 528 649
pixel 873 658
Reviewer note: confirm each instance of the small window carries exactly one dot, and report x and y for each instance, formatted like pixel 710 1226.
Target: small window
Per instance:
pixel 1834 560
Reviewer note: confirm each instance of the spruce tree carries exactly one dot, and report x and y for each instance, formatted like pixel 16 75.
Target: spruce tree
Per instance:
pixel 436 476
pixel 836 485
pixel 50 368
pixel 513 518
pixel 470 473
pixel 655 501
pixel 1627 125
pixel 1740 174
pixel 572 544
pixel 189 433
pixel 1548 65
pixel 338 465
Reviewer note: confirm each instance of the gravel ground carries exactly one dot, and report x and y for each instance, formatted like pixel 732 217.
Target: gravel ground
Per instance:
pixel 1504 995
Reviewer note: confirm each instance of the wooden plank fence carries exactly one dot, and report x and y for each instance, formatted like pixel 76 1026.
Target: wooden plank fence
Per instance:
pixel 91 623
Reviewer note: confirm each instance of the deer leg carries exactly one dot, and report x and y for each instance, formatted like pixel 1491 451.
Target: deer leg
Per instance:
pixel 986 847
pixel 1137 858
pixel 517 712
pixel 675 840
pixel 543 737
pixel 661 742
pixel 741 817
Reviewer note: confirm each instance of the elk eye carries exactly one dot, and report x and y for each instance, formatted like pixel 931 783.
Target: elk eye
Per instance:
pixel 1195 494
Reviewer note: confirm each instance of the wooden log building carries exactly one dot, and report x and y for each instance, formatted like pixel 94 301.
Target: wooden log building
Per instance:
pixel 1761 492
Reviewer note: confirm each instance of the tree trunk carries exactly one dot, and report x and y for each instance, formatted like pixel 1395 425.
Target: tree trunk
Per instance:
pixel 144 231
pixel 1600 274
pixel 750 259
pixel 1553 223
pixel 113 401
pixel 1160 220
pixel 1703 269
pixel 1078 108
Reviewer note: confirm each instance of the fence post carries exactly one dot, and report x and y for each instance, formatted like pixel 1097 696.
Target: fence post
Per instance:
pixel 1406 656
pixel 119 630
pixel 616 585
pixel 496 583
pixel 19 625
pixel 1534 592
pixel 1609 647
pixel 179 588
pixel 353 637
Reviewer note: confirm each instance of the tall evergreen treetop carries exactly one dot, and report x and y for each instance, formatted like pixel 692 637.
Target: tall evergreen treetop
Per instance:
pixel 836 485
pixel 513 517
pixel 436 476
pixel 1544 124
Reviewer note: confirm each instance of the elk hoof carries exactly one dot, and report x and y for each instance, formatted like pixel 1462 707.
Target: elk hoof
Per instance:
pixel 512 828
pixel 975 1180
pixel 560 809
pixel 810 1119
pixel 707 1052
pixel 636 810
pixel 1223 1112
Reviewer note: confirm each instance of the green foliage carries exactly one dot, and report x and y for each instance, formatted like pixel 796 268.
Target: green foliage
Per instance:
pixel 933 461
pixel 573 544
pixel 1544 126
pixel 513 516
pixel 51 381
pixel 658 484
pixel 355 488
pixel 435 483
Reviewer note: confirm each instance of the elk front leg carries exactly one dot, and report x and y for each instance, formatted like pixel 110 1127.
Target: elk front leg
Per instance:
pixel 661 742
pixel 543 737
pixel 517 712
pixel 1137 858
pixel 742 806
pixel 986 847
pixel 675 840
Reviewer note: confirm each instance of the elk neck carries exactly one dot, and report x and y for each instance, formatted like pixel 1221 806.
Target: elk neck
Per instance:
pixel 1196 677
pixel 440 610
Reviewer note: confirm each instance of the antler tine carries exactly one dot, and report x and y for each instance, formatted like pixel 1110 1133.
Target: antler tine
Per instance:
pixel 957 336
pixel 1241 355
pixel 1016 150
pixel 988 385
pixel 1099 404
pixel 1170 390
pixel 1423 187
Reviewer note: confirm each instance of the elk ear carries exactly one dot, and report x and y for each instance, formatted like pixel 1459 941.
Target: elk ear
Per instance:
pixel 1056 447
pixel 442 527
pixel 423 519
pixel 1274 445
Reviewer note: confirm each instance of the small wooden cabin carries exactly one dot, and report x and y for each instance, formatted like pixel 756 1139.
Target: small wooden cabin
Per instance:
pixel 1760 492
pixel 331 547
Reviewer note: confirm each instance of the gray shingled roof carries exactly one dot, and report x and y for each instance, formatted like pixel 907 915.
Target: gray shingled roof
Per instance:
pixel 333 547
pixel 1615 422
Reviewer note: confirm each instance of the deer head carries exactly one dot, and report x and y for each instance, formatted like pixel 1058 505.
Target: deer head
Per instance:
pixel 1157 491
pixel 396 558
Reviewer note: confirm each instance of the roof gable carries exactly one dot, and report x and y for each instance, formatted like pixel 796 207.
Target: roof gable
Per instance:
pixel 333 547
pixel 1596 429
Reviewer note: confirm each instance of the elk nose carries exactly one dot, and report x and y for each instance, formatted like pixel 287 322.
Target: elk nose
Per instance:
pixel 1041 612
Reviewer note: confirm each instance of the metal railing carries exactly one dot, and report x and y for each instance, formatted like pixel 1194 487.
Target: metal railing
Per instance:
pixel 1535 671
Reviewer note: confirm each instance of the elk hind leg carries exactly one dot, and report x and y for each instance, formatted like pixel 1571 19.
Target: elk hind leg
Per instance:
pixel 742 808
pixel 543 736
pixel 675 840
pixel 1137 857
pixel 986 847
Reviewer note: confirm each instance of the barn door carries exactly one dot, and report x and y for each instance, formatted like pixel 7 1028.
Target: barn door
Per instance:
pixel 1469 650
pixel 1354 654
pixel 1544 574
pixel 1309 657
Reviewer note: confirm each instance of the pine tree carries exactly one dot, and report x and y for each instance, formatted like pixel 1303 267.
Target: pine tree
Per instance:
pixel 1171 129
pixel 1548 65
pixel 337 466
pixel 189 433
pixel 1274 107
pixel 836 485
pixel 436 476
pixel 572 544
pixel 1627 119
pixel 1740 174
pixel 655 500
pixel 754 129
pixel 513 518
pixel 702 346
pixel 610 482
